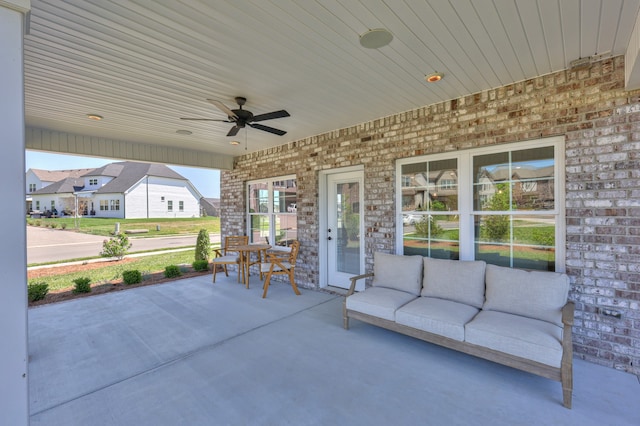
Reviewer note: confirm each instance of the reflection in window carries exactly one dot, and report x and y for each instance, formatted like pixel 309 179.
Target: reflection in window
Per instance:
pixel 430 208
pixel 503 211
pixel 272 211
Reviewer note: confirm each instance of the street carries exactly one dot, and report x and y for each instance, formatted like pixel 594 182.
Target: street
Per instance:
pixel 52 245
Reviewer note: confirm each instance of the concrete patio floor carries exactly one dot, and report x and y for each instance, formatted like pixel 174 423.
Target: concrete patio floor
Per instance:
pixel 195 353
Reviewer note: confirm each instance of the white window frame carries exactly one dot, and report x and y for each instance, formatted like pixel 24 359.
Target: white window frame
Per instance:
pixel 465 193
pixel 169 205
pixel 270 213
pixel 180 206
pixel 32 187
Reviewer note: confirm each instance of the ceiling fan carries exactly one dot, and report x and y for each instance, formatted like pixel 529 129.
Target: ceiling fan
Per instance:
pixel 242 117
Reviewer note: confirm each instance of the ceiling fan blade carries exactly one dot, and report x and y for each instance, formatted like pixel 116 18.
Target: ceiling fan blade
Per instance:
pixel 270 115
pixel 268 129
pixel 222 107
pixel 234 131
pixel 206 119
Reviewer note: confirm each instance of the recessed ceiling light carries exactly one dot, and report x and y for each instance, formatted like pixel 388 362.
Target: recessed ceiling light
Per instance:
pixel 235 142
pixel 94 117
pixel 184 132
pixel 376 38
pixel 434 77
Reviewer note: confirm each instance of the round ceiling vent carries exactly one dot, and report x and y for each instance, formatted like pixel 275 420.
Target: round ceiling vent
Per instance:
pixel 376 38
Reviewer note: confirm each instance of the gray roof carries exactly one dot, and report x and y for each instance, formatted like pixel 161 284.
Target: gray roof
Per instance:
pixel 128 173
pixel 125 174
pixel 57 175
pixel 65 186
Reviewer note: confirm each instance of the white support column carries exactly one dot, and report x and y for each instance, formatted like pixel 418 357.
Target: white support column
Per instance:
pixel 14 396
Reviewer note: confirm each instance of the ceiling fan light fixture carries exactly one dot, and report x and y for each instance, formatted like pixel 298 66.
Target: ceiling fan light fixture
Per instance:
pixel 434 77
pixel 95 117
pixel 376 38
pixel 184 132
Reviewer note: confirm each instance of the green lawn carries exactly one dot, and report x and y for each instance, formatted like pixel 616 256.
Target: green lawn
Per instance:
pixel 112 270
pixel 156 227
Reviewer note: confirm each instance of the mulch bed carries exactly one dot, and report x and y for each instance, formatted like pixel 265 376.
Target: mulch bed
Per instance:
pixel 116 285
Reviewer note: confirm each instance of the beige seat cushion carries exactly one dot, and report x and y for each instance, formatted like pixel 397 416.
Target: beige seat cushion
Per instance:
pixel 438 316
pixel 402 273
pixel 379 301
pixel 528 338
pixel 456 280
pixel 534 294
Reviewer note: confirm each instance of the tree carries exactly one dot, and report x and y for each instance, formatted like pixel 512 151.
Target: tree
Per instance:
pixel 496 227
pixel 203 245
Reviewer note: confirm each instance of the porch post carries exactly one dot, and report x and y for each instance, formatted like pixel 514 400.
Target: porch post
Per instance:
pixel 14 397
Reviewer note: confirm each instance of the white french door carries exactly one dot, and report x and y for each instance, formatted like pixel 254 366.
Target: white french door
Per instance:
pixel 344 231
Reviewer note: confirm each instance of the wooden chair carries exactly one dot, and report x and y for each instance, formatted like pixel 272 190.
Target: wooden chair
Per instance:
pixel 281 263
pixel 227 255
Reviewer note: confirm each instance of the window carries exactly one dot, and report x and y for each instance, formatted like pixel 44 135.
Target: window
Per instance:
pixel 53 205
pixel 162 199
pixel 104 205
pixel 38 205
pixel 181 206
pixel 114 204
pixel 93 181
pixel 272 210
pixel 32 187
pixel 169 206
pixel 498 204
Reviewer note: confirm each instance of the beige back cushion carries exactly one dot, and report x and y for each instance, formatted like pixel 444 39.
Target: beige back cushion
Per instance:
pixel 455 280
pixel 533 294
pixel 397 272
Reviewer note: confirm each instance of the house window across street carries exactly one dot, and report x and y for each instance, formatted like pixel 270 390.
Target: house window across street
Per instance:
pixel 499 204
pixel 170 206
pixel 114 204
pixel 181 206
pixel 104 205
pixel 32 187
pixel 272 210
pixel 93 181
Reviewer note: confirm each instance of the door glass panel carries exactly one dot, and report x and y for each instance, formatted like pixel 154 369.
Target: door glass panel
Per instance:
pixel 348 227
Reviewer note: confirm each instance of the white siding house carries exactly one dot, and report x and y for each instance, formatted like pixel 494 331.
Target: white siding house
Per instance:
pixel 122 190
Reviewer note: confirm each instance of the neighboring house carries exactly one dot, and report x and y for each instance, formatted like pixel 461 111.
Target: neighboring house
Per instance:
pixel 125 190
pixel 210 206
pixel 37 179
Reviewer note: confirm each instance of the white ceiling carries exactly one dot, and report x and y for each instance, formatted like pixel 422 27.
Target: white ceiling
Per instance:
pixel 143 64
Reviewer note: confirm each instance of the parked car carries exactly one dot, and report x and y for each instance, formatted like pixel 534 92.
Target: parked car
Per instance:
pixel 411 218
pixel 293 207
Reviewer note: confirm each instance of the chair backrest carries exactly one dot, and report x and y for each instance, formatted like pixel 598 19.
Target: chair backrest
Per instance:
pixel 233 241
pixel 295 247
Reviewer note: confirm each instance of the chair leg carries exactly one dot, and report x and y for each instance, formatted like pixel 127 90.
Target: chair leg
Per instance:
pixel 215 268
pixel 266 285
pixel 225 270
pixel 293 283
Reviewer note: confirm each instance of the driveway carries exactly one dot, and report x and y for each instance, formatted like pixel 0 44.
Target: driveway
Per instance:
pixel 52 245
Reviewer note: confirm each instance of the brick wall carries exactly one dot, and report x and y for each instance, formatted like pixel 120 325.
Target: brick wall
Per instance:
pixel 601 125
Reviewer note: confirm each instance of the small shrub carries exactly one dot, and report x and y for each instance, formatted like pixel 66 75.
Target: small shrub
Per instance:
pixel 54 225
pixel 132 277
pixel 116 246
pixel 200 265
pixel 203 245
pixel 37 223
pixel 83 285
pixel 63 225
pixel 37 291
pixel 172 271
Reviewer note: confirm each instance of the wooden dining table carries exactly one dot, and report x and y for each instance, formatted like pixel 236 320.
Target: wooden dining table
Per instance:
pixel 244 252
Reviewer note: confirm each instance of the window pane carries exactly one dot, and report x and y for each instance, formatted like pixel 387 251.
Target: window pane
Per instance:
pixel 286 229
pixel 258 198
pixel 516 241
pixel 259 228
pixel 430 186
pixel 434 236
pixel 533 179
pixel 284 196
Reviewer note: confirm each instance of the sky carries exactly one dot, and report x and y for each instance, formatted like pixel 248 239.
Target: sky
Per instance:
pixel 206 181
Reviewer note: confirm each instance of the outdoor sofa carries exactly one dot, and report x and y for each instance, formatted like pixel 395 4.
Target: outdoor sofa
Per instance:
pixel 514 317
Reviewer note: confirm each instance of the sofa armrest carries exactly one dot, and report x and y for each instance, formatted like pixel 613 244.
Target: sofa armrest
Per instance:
pixel 567 314
pixel 355 279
